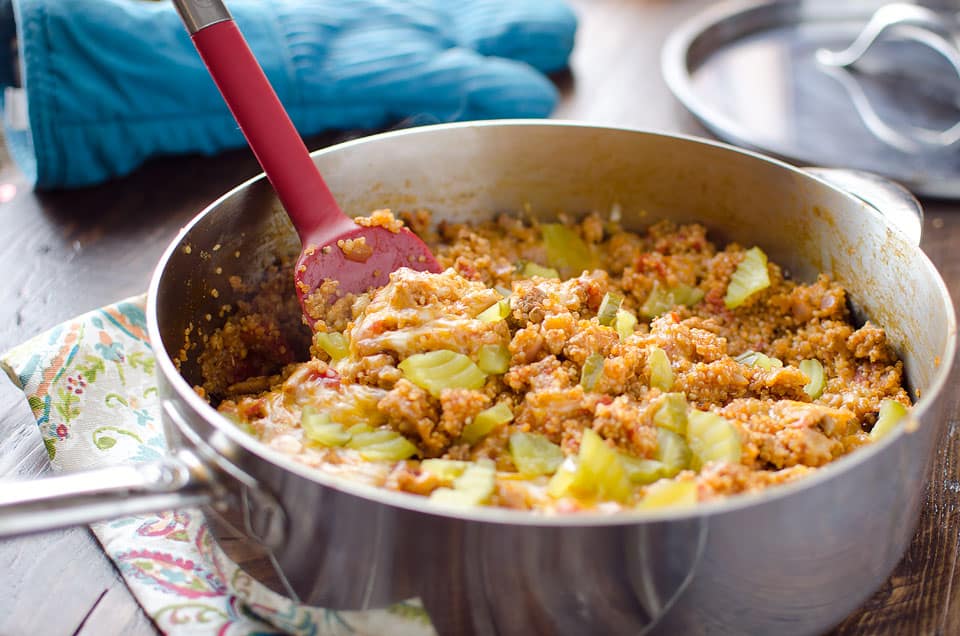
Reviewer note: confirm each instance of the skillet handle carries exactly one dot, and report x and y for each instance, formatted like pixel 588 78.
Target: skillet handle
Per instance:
pixel 80 498
pixel 890 199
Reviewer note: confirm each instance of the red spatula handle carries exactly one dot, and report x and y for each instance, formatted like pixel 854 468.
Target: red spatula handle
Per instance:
pixel 263 120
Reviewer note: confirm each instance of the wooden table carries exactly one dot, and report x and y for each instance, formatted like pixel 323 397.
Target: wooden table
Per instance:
pixel 68 252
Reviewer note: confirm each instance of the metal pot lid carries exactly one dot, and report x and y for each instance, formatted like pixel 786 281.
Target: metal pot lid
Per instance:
pixel 861 84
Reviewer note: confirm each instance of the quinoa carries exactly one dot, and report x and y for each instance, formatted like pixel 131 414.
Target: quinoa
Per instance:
pixel 550 332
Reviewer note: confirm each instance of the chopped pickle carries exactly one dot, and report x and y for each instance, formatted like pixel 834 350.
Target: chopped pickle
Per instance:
pixel 609 307
pixel 813 370
pixel 318 428
pixel 531 269
pixel 625 323
pixel 534 454
pixel 495 312
pixel 750 277
pixel 756 359
pixel 485 421
pixel 359 429
pixel 599 474
pixel 591 371
pixel 371 438
pixel 334 343
pixel 891 413
pixel 560 483
pixel 438 370
pixel 642 471
pixel 672 451
pixel 445 469
pixel 473 487
pixel 493 359
pixel 672 413
pixel 394 449
pixel 668 493
pixel 662 299
pixel 566 251
pixel 712 438
pixel 661 374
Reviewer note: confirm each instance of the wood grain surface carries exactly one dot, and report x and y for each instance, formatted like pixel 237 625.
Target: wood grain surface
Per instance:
pixel 68 252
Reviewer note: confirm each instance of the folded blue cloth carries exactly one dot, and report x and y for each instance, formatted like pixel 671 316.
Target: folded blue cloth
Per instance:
pixel 109 83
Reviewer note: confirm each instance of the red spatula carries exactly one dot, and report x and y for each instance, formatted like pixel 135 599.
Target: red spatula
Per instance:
pixel 334 246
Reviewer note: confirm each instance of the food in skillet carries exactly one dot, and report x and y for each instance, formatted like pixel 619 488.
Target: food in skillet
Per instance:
pixel 571 366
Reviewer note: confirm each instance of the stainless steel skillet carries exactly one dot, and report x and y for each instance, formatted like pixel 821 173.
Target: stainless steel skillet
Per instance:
pixel 794 559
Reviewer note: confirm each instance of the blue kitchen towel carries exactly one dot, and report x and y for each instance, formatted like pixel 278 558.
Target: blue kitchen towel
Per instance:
pixel 108 83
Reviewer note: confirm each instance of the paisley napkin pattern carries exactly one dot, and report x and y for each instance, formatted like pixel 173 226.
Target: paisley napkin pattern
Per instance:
pixel 90 383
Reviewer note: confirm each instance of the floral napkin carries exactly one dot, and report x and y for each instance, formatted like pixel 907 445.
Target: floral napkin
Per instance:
pixel 90 383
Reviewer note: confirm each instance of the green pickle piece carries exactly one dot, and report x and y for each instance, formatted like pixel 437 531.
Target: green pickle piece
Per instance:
pixel 642 471
pixel 891 414
pixel 445 469
pixel 335 344
pixel 752 358
pixel 672 451
pixel 750 277
pixel 534 454
pixel 372 438
pixel 566 251
pixel 813 370
pixel 531 269
pixel 495 312
pixel 591 371
pixel 662 299
pixel 661 373
pixel 672 413
pixel 493 359
pixel 712 438
pixel 609 307
pixel 668 494
pixel 393 449
pixel 472 488
pixel 318 428
pixel 438 370
pixel 485 421
pixel 599 474
pixel 625 323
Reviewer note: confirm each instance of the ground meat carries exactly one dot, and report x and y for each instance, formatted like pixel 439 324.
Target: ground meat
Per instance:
pixel 535 362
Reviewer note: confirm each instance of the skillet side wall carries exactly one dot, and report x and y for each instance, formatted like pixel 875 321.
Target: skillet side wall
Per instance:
pixel 790 564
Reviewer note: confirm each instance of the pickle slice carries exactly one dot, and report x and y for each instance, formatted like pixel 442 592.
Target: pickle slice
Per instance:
pixel 445 469
pixel 750 277
pixel 712 438
pixel 756 359
pixel 668 493
pixel 672 413
pixel 662 299
pixel 531 269
pixel 609 307
pixel 472 488
pixel 672 451
pixel 642 471
pixel 334 343
pixel 438 370
pixel 625 323
pixel 813 370
pixel 891 414
pixel 591 371
pixel 534 454
pixel 493 359
pixel 485 421
pixel 661 373
pixel 599 474
pixel 393 449
pixel 495 312
pixel 318 428
pixel 566 251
